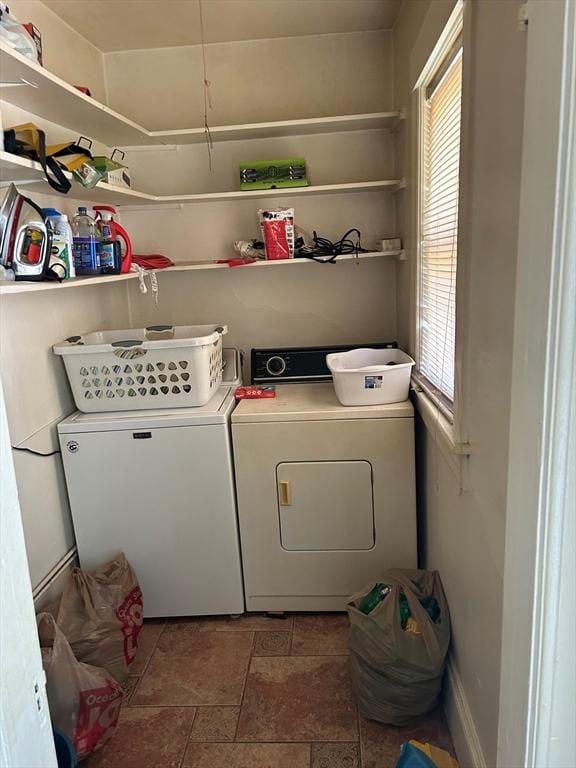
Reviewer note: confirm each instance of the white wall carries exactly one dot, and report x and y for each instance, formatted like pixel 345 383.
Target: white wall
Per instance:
pixel 256 81
pixel 253 81
pixel 37 397
pixel 65 52
pixel 310 304
pixel 332 158
pixel 463 530
pixel 207 230
pixel 25 730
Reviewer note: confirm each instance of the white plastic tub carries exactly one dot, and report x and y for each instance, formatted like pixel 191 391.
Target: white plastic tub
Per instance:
pixel 370 376
pixel 162 366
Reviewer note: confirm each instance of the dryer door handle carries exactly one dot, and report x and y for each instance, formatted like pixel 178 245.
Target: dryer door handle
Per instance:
pixel 285 493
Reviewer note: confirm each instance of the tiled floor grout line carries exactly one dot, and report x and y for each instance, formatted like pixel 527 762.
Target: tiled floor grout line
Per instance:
pixel 187 742
pixel 141 675
pixel 360 755
pixel 267 741
pixel 244 686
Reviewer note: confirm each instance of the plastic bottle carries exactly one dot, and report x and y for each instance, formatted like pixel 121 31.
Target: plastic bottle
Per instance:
pixel 61 255
pixel 85 244
pixel 108 246
pixel 374 597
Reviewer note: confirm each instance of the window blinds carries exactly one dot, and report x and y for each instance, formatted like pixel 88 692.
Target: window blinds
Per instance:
pixel 439 226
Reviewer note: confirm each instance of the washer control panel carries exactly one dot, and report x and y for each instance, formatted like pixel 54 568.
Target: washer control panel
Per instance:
pixel 297 365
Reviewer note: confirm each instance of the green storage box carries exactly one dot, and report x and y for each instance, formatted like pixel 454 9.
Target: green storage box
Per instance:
pixel 274 174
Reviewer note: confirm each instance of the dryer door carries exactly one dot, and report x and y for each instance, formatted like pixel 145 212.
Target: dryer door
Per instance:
pixel 325 505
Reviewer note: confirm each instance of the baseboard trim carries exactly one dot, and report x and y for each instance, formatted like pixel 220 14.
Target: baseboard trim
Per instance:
pixel 462 727
pixel 51 585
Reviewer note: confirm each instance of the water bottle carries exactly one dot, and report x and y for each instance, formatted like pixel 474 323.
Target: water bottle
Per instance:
pixel 85 244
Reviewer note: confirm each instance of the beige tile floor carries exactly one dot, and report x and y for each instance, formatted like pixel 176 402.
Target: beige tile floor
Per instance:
pixel 254 692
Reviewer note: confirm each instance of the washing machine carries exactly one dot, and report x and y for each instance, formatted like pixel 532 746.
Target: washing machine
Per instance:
pixel 159 486
pixel 326 493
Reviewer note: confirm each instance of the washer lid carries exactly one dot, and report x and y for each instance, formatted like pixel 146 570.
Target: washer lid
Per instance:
pixel 312 402
pixel 216 411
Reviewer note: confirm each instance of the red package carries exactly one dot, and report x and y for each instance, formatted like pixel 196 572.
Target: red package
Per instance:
pixel 277 225
pixel 36 37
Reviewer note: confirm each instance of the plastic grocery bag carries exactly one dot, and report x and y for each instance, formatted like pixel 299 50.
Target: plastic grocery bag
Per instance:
pixel 101 615
pixel 398 649
pixel 12 33
pixel 84 700
pixel 414 754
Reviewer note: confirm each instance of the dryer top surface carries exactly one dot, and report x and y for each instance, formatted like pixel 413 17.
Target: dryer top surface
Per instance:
pixel 312 402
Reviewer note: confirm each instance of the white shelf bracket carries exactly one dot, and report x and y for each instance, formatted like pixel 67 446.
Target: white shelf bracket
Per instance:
pixel 402 184
pixel 400 119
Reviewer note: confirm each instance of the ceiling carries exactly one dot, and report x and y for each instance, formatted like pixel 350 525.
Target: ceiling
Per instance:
pixel 119 25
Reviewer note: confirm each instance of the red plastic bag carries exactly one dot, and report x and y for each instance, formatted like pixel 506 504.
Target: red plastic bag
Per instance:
pixel 84 700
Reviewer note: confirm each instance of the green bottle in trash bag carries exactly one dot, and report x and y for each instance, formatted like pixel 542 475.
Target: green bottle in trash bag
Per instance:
pixel 374 598
pixel 380 591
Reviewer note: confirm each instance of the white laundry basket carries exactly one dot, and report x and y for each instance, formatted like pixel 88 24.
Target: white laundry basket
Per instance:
pixel 370 376
pixel 162 366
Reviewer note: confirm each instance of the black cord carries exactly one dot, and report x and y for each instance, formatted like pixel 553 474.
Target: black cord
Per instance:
pixel 35 453
pixel 325 251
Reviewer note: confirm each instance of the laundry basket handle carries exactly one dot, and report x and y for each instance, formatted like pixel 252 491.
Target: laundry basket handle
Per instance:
pixel 127 343
pixel 166 331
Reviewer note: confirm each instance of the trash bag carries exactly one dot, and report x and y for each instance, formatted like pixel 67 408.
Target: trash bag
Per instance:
pixel 398 645
pixel 84 700
pixel 101 615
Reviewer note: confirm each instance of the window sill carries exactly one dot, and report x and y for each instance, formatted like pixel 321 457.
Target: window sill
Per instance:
pixel 443 433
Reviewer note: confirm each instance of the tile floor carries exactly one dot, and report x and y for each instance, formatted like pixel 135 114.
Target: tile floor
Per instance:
pixel 253 692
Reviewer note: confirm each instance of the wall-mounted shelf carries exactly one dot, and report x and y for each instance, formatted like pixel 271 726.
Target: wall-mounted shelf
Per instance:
pixel 37 90
pixel 19 169
pixel 305 127
pixel 77 282
pixel 191 266
pixel 16 169
pixel 204 265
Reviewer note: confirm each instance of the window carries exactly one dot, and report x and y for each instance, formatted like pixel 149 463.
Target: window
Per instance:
pixel 440 108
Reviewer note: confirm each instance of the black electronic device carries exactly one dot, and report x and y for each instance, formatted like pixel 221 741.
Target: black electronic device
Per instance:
pixel 298 365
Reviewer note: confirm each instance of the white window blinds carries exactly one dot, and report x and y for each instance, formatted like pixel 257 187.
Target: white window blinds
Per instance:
pixel 439 224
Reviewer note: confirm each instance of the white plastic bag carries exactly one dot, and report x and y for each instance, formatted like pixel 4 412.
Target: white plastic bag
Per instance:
pixel 12 33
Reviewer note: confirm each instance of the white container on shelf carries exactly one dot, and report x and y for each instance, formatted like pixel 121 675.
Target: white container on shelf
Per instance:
pixel 370 376
pixel 162 366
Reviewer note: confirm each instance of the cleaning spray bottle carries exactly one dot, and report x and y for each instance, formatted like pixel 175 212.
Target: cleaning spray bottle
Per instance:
pixel 114 234
pixel 108 246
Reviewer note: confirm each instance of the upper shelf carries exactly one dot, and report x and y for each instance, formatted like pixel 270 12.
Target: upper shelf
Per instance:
pixel 31 87
pixel 19 169
pixel 190 266
pixel 313 125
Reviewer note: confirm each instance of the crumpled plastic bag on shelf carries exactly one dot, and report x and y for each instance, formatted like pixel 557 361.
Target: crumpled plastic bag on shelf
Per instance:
pixel 101 615
pixel 12 33
pixel 397 672
pixel 84 700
